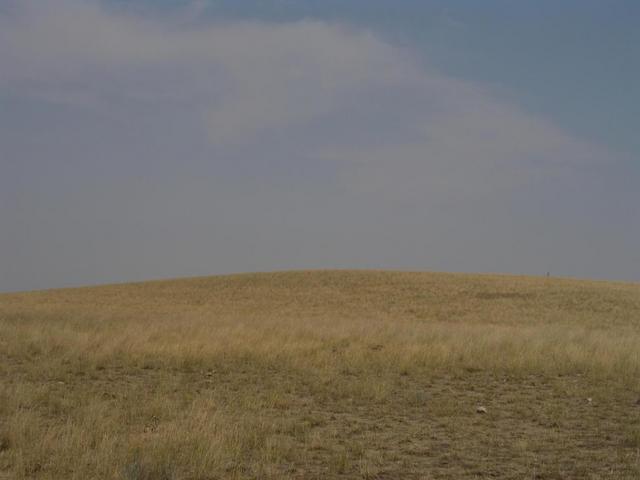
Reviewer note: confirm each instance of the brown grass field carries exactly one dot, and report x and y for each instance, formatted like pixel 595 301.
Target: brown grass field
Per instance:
pixel 322 375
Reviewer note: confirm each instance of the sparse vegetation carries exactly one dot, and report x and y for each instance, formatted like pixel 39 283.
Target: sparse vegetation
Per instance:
pixel 322 375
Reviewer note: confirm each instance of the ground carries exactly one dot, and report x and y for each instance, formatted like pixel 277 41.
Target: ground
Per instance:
pixel 333 374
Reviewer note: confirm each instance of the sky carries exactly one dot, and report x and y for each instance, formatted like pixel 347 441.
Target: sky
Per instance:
pixel 143 140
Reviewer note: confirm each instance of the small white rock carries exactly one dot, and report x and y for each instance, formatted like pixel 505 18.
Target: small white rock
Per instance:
pixel 481 409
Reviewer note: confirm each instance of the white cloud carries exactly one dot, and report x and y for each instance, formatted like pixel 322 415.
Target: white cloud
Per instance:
pixel 250 79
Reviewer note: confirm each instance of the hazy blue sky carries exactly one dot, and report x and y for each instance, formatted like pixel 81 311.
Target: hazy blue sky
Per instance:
pixel 145 139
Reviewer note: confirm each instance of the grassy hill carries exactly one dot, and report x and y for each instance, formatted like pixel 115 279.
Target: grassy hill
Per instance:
pixel 331 374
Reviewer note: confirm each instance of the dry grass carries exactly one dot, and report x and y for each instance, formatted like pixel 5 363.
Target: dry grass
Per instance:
pixel 322 375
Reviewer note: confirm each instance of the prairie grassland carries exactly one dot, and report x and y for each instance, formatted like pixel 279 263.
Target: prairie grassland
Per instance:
pixel 334 374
